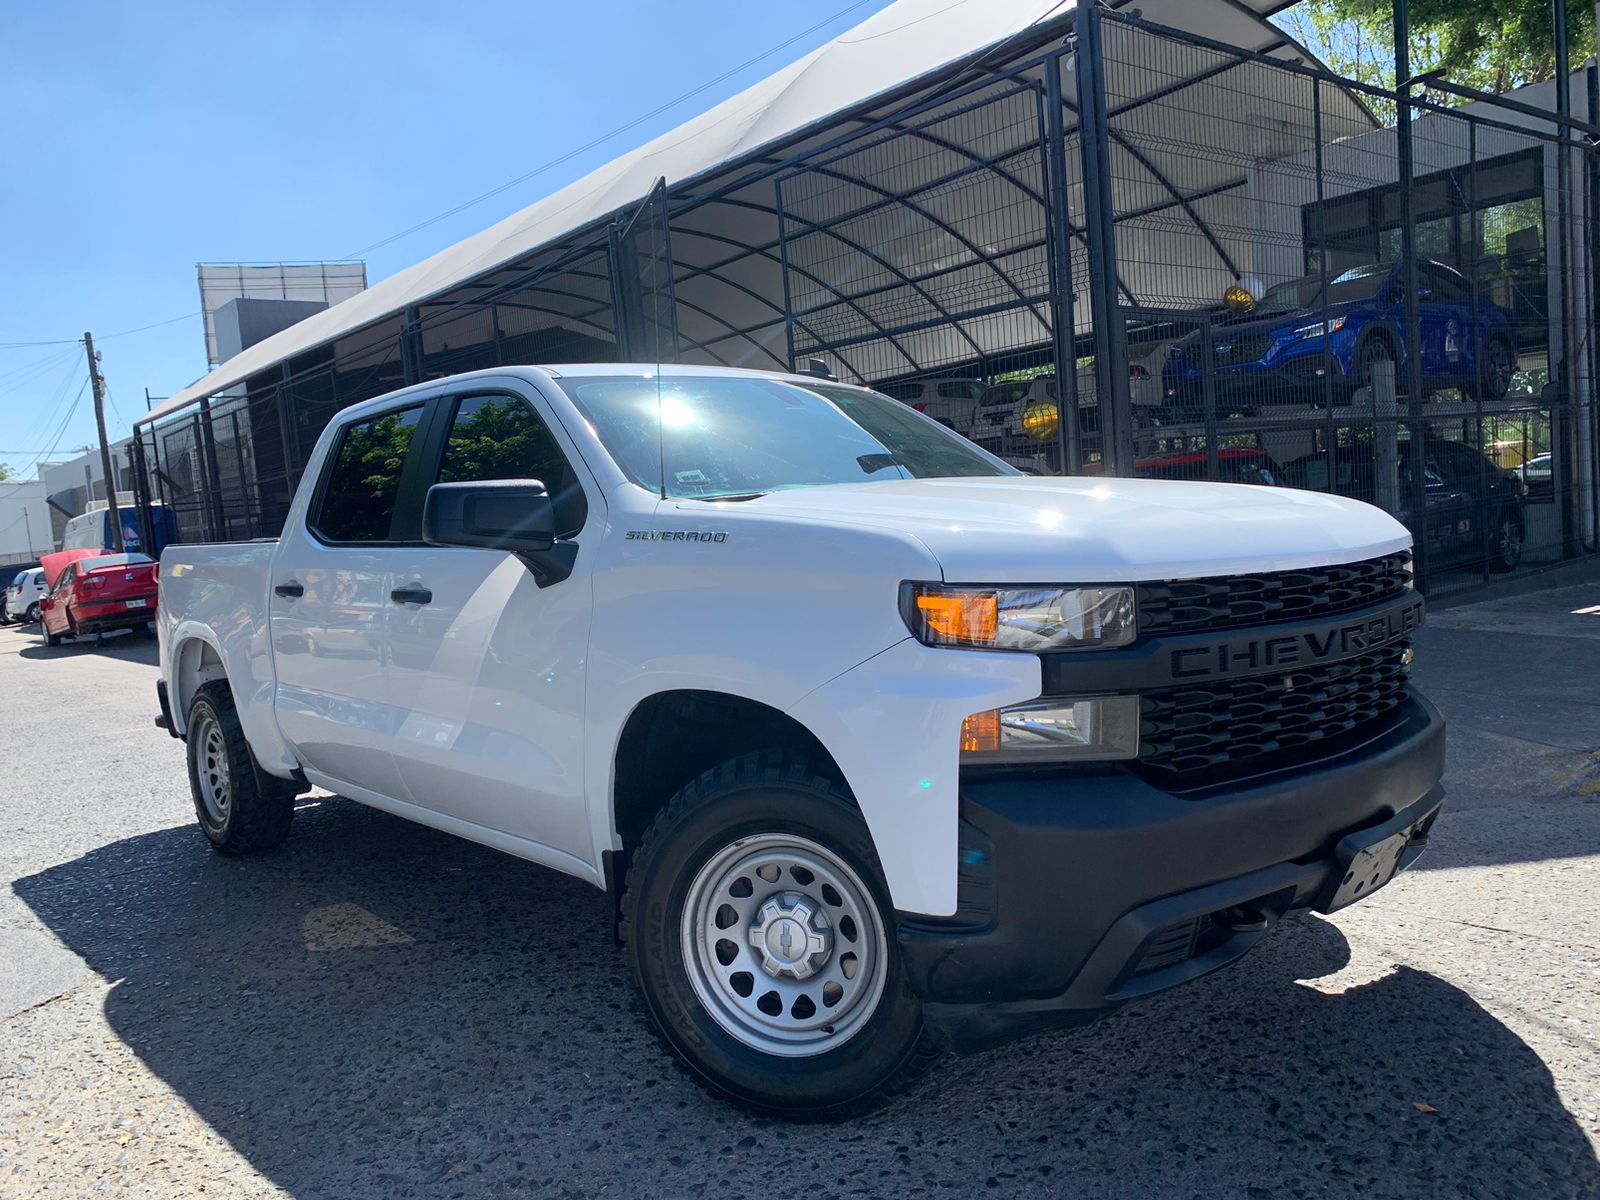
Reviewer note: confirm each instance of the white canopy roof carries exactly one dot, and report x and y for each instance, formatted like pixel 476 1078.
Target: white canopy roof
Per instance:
pixel 887 53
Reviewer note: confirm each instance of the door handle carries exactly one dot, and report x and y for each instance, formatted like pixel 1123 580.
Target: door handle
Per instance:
pixel 413 594
pixel 289 590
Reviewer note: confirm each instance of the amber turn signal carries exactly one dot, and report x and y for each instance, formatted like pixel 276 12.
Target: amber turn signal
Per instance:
pixel 966 618
pixel 980 733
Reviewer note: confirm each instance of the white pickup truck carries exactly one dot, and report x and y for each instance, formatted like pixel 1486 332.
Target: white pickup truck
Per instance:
pixel 881 747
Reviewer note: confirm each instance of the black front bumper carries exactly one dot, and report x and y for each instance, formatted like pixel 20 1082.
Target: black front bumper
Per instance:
pixel 1081 892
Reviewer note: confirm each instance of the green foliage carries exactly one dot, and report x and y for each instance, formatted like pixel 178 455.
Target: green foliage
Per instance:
pixel 1493 47
pixel 500 439
pixel 7 471
pixel 376 451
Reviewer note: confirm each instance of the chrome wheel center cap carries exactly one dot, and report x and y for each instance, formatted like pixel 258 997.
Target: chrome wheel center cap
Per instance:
pixel 791 935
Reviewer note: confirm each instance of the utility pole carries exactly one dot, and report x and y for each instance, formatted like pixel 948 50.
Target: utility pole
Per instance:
pixel 98 385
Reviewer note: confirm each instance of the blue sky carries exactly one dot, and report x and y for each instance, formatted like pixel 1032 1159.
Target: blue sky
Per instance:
pixel 141 139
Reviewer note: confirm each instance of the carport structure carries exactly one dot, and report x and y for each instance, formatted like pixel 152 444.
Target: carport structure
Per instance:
pixel 956 189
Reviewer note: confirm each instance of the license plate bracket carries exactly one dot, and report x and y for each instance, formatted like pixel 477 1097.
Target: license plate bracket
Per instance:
pixel 1371 859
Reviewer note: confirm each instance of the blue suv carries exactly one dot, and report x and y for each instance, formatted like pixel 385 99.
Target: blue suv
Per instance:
pixel 1277 350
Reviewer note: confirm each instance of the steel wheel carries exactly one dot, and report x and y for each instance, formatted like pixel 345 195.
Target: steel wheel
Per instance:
pixel 32 614
pixel 1499 369
pixel 784 945
pixel 211 769
pixel 1508 544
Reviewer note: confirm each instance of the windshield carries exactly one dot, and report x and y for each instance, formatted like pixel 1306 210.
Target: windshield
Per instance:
pixel 1299 295
pixel 718 436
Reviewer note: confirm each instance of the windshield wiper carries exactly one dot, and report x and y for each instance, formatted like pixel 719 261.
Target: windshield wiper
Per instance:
pixel 730 496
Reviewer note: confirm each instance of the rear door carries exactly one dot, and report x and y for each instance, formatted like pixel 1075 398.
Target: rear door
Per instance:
pixel 328 604
pixel 1449 332
pixel 487 667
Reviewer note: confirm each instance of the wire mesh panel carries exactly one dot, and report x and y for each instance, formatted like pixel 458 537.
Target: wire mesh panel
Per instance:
pixel 644 308
pixel 1262 231
pixel 921 251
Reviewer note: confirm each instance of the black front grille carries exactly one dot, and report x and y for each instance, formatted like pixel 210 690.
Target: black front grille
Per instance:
pixel 1228 352
pixel 1234 601
pixel 1204 732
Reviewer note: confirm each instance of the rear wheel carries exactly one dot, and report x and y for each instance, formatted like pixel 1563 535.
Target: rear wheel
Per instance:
pixel 1506 552
pixel 761 937
pixel 1499 365
pixel 240 807
pixel 32 614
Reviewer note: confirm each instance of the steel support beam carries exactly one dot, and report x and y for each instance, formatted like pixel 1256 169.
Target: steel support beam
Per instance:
pixel 1110 358
pixel 1405 163
pixel 1058 238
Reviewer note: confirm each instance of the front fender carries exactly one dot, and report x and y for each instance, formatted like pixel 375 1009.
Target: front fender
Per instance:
pixel 893 725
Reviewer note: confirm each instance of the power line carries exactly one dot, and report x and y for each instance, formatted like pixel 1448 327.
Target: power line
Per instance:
pixel 61 432
pixel 78 341
pixel 606 137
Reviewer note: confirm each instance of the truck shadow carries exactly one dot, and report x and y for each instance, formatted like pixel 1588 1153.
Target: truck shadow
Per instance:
pixel 377 1010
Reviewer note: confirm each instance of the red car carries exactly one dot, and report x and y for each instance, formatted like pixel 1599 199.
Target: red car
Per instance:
pixel 94 594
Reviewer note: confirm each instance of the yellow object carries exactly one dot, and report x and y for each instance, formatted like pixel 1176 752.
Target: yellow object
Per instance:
pixel 1237 299
pixel 1042 421
pixel 964 617
pixel 981 732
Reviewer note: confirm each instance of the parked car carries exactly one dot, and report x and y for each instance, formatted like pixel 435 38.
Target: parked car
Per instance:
pixel 1018 420
pixel 1235 464
pixel 99 593
pixel 1474 506
pixel 1538 478
pixel 92 530
pixel 880 746
pixel 1277 350
pixel 21 603
pixel 952 402
pixel 9 573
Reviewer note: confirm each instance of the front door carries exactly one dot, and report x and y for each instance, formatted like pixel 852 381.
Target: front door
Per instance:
pixel 487 666
pixel 329 606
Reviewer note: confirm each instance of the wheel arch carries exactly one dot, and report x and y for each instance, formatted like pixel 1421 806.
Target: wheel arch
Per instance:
pixel 671 737
pixel 196 660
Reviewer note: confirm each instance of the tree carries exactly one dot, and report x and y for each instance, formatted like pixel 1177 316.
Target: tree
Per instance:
pixel 7 471
pixel 1493 47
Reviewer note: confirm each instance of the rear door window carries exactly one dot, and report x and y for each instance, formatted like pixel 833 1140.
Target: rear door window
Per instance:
pixel 358 495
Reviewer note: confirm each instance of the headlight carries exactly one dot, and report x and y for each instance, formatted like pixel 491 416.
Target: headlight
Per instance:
pixel 1037 618
pixel 1041 421
pixel 1307 331
pixel 1076 728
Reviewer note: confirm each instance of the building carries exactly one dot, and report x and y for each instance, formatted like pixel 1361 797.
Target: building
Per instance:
pixel 983 191
pixel 25 526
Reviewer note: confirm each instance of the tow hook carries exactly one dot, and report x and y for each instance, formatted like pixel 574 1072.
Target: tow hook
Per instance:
pixel 1242 918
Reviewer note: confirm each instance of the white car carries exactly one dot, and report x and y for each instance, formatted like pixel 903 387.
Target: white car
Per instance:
pixel 879 746
pixel 952 402
pixel 1017 420
pixel 23 596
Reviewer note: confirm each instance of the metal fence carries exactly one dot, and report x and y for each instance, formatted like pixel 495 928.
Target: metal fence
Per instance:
pixel 1116 249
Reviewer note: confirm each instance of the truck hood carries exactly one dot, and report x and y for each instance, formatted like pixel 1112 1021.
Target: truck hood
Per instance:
pixel 1033 530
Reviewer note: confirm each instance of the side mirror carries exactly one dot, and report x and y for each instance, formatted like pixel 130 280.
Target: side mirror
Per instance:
pixel 516 515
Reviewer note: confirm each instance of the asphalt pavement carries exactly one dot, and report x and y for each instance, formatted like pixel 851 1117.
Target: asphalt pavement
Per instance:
pixel 378 1010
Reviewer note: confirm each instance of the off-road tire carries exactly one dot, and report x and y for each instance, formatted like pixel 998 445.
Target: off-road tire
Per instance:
pixel 1505 553
pixel 764 793
pixel 260 806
